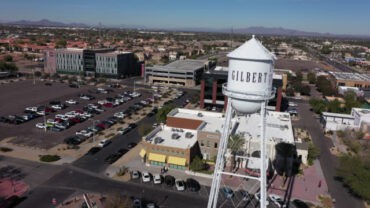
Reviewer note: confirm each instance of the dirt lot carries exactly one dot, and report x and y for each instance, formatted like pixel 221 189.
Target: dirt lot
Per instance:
pixel 16 96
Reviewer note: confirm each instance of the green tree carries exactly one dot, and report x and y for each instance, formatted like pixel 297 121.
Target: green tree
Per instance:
pixel 311 77
pixel 8 58
pixel 355 173
pixel 61 43
pixel 318 105
pixel 305 90
pixel 197 164
pixel 324 86
pixel 334 106
pixel 313 153
pixel 38 74
pixel 10 67
pixel 289 91
pixel 351 101
pixel 161 115
pixel 326 49
pixel 235 144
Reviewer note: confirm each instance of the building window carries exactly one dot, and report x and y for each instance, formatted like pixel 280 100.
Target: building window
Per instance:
pixel 201 143
pixel 215 144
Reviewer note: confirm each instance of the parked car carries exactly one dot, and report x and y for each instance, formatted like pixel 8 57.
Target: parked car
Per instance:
pixel 169 180
pixel 55 129
pixel 146 177
pixel 93 150
pixel 180 185
pixel 299 203
pixel 85 133
pixel 157 179
pixel 71 102
pixel 73 140
pixel 277 200
pixel 135 174
pixel 112 158
pixel 104 143
pixel 41 125
pixel 192 185
pixel 124 131
pixel 119 115
pixel 228 192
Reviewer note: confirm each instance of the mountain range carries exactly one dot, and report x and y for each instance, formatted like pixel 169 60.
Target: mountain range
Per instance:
pixel 247 30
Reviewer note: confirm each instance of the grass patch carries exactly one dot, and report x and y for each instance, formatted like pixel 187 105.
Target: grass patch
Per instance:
pixel 49 158
pixel 6 149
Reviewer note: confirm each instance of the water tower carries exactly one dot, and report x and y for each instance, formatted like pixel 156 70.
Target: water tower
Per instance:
pixel 248 89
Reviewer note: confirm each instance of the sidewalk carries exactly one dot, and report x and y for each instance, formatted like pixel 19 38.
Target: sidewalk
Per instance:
pixel 133 161
pixel 307 187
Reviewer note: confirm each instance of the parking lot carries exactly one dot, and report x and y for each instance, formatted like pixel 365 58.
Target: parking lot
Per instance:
pixel 17 96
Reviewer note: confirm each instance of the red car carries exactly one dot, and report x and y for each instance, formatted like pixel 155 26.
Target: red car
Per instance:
pixel 75 120
pixel 108 105
pixel 58 120
pixel 102 125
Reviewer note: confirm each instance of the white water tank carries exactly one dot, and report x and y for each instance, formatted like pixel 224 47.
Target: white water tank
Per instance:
pixel 250 73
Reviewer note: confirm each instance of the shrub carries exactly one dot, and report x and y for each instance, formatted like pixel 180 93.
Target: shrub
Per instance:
pixel 49 158
pixel 111 135
pixel 5 149
pixel 122 171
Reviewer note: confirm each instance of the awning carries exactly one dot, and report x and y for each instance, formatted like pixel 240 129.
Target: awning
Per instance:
pixel 176 160
pixel 157 157
pixel 142 153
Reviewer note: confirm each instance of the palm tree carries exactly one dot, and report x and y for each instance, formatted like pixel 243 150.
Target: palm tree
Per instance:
pixel 235 144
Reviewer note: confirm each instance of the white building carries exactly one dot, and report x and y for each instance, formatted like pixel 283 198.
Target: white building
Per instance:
pixel 359 119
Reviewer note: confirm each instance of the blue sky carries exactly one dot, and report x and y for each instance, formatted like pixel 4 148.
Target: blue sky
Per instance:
pixel 334 16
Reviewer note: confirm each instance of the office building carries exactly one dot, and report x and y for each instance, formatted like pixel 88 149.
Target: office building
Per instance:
pixel 351 79
pixel 186 73
pixel 92 62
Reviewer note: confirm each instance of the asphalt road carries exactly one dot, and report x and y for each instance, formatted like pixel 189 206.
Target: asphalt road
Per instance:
pixel 328 161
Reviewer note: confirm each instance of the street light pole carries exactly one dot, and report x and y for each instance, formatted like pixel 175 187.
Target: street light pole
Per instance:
pixel 33 73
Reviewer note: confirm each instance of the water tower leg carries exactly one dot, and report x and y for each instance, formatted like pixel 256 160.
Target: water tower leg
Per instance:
pixel 213 195
pixel 263 157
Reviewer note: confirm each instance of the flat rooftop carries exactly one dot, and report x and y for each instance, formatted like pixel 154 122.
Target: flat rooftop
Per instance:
pixel 337 115
pixel 172 137
pixel 362 111
pixel 212 121
pixel 188 65
pixel 351 76
pixel 278 127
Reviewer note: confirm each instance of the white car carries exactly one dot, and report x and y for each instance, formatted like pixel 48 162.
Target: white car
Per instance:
pixel 51 121
pixel 85 133
pixel 56 107
pixel 102 102
pixel 277 200
pixel 104 143
pixel 157 179
pixel 71 102
pixel 135 174
pixel 146 177
pixel 34 109
pixel 180 185
pixel 41 126
pixel 119 115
